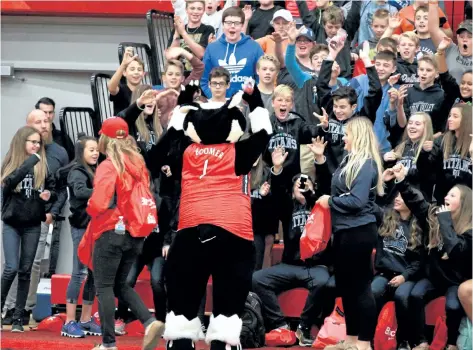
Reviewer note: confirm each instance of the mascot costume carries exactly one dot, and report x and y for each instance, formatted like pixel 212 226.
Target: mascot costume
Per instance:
pixel 215 236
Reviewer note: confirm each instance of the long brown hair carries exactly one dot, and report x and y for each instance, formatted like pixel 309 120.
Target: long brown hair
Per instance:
pixel 80 146
pixel 462 143
pixel 17 155
pixel 428 135
pixel 115 149
pixel 140 122
pixel 461 220
pixel 390 222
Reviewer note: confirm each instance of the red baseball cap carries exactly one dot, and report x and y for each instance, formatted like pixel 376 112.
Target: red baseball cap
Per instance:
pixel 115 128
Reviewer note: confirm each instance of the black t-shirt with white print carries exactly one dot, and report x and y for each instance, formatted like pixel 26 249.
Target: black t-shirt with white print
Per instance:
pixel 122 99
pixel 200 35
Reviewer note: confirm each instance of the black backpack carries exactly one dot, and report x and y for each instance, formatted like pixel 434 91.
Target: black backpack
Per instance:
pixel 252 332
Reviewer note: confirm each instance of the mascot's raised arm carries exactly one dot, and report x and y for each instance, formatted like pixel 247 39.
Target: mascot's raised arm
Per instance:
pixel 215 236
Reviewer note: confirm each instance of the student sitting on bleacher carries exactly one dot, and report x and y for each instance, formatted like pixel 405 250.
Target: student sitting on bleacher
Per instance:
pixel 448 239
pixel 398 261
pixel 133 69
pixel 292 272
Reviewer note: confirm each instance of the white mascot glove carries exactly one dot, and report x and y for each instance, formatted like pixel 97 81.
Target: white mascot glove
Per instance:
pixel 259 120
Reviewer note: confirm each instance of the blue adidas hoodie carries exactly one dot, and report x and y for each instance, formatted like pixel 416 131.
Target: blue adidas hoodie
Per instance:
pixel 360 84
pixel 239 59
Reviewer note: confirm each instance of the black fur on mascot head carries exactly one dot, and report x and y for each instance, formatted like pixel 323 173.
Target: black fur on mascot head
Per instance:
pixel 215 123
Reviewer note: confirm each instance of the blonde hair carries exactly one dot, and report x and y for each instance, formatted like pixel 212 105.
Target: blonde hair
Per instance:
pixel 284 91
pixel 333 14
pixel 140 121
pixel 461 221
pixel 17 155
pixel 175 63
pixel 462 143
pixel 364 147
pixel 116 149
pixel 430 60
pixel 411 36
pixel 390 222
pixel 381 14
pixel 428 135
pixel 269 58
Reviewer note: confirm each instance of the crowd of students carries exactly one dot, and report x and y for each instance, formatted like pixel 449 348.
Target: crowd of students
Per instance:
pixel 370 104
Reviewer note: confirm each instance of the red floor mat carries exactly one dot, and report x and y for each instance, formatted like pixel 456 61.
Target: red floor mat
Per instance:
pixel 44 340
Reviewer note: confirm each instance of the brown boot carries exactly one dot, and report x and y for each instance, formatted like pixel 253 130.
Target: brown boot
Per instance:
pixel 341 345
pixel 152 335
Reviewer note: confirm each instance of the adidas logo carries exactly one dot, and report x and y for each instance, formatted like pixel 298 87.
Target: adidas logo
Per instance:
pixel 238 79
pixel 233 66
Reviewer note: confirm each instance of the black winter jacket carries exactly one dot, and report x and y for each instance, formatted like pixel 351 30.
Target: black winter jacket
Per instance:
pixel 80 183
pixel 25 208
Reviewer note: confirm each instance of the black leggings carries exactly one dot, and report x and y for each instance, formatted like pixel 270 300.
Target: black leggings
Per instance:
pixel 354 272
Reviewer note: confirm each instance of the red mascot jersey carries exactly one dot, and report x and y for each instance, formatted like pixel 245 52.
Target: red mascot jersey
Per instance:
pixel 212 193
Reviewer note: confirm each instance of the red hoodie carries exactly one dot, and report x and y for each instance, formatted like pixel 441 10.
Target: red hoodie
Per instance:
pixel 107 182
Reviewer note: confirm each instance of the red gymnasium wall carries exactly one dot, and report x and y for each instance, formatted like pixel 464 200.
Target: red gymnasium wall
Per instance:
pixel 84 8
pixel 454 9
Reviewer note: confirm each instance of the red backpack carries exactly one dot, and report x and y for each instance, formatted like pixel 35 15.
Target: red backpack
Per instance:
pixel 317 232
pixel 334 328
pixel 440 335
pixel 385 335
pixel 139 210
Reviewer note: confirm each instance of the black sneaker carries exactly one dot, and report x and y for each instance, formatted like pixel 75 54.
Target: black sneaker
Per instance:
pixel 303 334
pixel 403 345
pixel 17 326
pixel 8 318
pixel 26 315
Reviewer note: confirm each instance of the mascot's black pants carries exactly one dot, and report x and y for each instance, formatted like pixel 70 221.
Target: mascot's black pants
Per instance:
pixel 196 254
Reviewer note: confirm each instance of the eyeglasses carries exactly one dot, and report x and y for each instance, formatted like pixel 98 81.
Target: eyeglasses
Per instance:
pixel 218 83
pixel 232 24
pixel 34 142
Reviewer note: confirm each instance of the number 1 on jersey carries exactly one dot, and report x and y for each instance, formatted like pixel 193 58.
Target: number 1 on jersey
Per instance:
pixel 204 172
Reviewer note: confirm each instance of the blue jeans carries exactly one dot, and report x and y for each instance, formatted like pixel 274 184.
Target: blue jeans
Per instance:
pixel 270 282
pixel 424 292
pixel 19 249
pixel 383 293
pixel 79 274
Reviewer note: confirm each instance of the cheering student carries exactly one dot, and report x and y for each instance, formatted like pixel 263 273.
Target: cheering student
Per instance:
pixel 108 240
pixel 417 132
pixel 133 69
pixel 355 185
pixel 448 156
pixel 398 261
pixel 454 92
pixel 448 243
pixel 26 188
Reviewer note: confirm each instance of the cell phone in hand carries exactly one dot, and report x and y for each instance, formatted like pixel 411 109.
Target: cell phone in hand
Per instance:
pixel 303 179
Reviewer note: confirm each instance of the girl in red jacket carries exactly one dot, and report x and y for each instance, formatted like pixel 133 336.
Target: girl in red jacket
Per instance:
pixel 114 241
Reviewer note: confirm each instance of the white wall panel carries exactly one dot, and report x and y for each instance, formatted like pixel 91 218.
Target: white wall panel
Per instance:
pixel 55 57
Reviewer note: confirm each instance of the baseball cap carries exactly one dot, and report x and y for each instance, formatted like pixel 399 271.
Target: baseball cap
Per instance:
pixel 283 14
pixel 307 32
pixel 465 25
pixel 115 128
